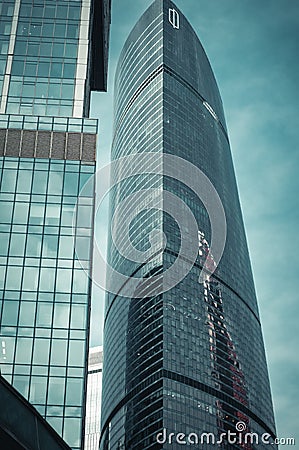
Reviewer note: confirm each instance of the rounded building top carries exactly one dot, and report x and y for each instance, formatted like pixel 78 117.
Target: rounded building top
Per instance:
pixel 163 39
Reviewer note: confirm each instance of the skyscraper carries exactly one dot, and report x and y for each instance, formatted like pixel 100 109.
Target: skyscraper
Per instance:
pixel 53 53
pixel 189 358
pixel 93 398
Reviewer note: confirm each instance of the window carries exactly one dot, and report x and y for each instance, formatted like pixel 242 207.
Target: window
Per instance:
pixel 38 387
pixel 23 350
pixel 33 247
pixel 13 277
pixel 10 313
pixel 72 431
pixel 43 69
pixel 7 350
pixel 69 70
pixel 55 183
pixel 17 243
pixel 58 352
pixel 50 246
pixel 63 280
pixel 24 179
pixel 47 279
pixel 21 383
pixel 58 49
pixel 61 315
pixel 27 314
pixel 59 30
pixel 72 31
pixel 56 391
pixel 6 211
pixel 74 390
pixel 35 29
pixel 76 353
pixel 30 279
pixel 66 247
pixel 32 49
pixel 55 89
pixel 78 317
pixel 44 314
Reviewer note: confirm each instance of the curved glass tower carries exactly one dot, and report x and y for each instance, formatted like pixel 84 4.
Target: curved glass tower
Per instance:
pixel 187 360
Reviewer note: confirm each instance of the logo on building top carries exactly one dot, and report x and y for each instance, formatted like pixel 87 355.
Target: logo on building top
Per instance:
pixel 174 18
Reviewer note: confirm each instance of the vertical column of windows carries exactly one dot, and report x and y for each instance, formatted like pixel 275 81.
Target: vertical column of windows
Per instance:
pixel 83 50
pixel 8 22
pixel 26 320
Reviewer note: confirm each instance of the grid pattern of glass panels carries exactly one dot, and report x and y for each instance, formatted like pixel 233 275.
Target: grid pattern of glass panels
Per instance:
pixel 45 289
pixel 43 57
pixel 44 63
pixel 188 364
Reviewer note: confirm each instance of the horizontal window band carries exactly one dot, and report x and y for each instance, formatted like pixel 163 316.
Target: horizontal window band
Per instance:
pixel 170 375
pixel 162 68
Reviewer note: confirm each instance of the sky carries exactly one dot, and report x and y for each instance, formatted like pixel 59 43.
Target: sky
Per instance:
pixel 253 47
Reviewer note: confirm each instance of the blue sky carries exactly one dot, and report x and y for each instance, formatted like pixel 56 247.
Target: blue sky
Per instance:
pixel 253 49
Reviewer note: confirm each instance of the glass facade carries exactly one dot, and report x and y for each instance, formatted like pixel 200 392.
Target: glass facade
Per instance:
pixel 45 64
pixel 45 288
pixel 52 54
pixel 191 359
pixel 93 398
pixel 41 57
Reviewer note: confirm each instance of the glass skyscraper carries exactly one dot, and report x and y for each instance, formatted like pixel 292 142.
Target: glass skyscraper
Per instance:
pixel 52 54
pixel 189 359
